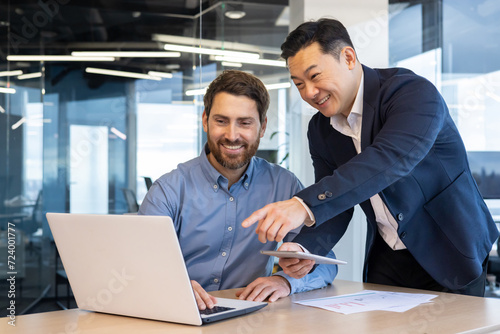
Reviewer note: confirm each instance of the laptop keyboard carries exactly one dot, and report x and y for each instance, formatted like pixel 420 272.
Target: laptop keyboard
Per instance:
pixel 215 309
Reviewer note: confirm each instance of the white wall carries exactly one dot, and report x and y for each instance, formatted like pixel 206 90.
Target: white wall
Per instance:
pixel 367 23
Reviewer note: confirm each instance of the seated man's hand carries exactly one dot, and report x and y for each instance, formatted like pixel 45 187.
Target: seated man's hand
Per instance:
pixel 274 287
pixel 295 268
pixel 203 299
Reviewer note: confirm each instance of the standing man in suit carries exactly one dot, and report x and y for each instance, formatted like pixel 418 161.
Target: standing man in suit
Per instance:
pixel 384 139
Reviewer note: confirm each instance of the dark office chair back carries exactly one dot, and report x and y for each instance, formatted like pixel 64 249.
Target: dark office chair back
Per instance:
pixel 148 181
pixel 34 221
pixel 131 200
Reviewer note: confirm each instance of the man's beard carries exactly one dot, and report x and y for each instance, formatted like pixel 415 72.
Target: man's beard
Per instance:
pixel 233 161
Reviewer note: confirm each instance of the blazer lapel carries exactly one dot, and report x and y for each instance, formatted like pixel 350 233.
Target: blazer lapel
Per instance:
pixel 339 148
pixel 372 84
pixel 344 148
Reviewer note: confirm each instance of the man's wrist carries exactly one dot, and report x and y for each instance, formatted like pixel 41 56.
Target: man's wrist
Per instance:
pixel 310 220
pixel 284 278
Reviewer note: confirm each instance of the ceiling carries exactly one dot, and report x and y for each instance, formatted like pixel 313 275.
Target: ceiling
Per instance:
pixel 58 27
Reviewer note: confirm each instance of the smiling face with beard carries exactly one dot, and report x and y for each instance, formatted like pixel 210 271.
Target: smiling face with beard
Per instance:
pixel 229 160
pixel 233 133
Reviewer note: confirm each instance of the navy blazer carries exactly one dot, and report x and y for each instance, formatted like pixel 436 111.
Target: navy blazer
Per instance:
pixel 412 155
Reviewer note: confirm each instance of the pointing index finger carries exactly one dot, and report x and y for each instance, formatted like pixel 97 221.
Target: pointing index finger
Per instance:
pixel 254 217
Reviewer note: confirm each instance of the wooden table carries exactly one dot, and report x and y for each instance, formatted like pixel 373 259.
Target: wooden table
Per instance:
pixel 448 313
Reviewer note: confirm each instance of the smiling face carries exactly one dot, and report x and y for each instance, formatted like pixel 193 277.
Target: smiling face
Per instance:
pixel 328 84
pixel 233 133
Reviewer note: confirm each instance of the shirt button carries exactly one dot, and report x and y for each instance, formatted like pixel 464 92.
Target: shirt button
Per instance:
pixel 216 186
pixel 400 216
pixel 229 228
pixel 246 184
pixel 403 235
pixel 224 253
pixel 216 280
pixel 231 199
pixel 321 197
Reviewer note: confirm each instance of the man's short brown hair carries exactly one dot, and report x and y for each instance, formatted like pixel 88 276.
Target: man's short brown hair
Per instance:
pixel 238 83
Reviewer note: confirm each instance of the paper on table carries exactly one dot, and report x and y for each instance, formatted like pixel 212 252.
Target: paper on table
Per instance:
pixel 369 300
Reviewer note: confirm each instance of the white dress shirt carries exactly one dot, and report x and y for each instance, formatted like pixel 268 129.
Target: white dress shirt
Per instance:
pixel 351 126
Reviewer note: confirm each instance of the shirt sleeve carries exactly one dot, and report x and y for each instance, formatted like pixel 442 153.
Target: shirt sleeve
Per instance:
pixel 311 220
pixel 323 275
pixel 158 202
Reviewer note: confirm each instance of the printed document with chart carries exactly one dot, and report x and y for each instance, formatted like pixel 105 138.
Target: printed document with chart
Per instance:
pixel 370 300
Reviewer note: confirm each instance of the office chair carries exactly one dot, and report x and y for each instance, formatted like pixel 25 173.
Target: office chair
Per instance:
pixel 131 200
pixel 61 279
pixel 33 222
pixel 148 181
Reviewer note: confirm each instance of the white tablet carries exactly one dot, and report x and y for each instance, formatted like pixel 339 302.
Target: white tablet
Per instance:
pixel 301 255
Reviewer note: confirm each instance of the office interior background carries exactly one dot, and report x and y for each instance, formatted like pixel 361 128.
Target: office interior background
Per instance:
pixel 121 100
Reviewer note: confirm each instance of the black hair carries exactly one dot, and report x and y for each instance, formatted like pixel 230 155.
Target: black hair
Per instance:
pixel 331 35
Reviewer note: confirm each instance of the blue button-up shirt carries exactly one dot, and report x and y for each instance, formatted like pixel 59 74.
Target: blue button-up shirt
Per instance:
pixel 220 253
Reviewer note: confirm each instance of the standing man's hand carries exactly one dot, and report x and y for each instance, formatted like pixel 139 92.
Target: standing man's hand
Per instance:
pixel 203 299
pixel 294 267
pixel 277 219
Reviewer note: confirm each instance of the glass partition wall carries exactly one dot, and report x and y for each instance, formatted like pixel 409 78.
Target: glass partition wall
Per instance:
pixel 97 96
pixel 455 44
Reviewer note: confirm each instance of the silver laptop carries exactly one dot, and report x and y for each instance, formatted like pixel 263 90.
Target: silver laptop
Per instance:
pixel 132 265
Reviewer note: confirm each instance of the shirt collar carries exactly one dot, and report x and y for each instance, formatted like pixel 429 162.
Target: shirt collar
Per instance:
pixel 357 107
pixel 216 179
pixel 351 125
